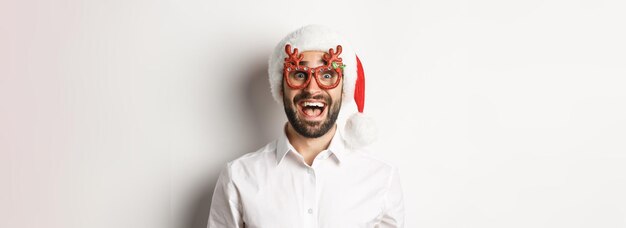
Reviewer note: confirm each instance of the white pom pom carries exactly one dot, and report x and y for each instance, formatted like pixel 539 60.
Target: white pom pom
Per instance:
pixel 360 130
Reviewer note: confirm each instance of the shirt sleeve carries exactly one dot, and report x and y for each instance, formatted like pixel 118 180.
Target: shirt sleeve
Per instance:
pixel 225 206
pixel 393 214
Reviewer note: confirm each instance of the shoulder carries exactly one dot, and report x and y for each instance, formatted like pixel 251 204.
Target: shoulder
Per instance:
pixel 370 159
pixel 249 162
pixel 371 165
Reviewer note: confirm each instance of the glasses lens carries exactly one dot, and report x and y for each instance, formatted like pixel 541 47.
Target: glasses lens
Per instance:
pixel 297 78
pixel 327 77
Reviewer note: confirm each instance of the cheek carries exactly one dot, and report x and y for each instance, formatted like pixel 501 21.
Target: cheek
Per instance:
pixel 336 94
pixel 288 94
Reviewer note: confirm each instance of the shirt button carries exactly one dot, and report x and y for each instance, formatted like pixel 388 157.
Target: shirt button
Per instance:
pixel 310 171
pixel 310 211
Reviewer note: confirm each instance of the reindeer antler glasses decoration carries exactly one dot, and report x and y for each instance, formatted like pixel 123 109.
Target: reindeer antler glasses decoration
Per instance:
pixel 327 76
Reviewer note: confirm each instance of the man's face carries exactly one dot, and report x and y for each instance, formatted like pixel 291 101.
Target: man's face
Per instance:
pixel 312 111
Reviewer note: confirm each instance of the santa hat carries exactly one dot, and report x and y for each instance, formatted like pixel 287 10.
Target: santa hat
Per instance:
pixel 359 129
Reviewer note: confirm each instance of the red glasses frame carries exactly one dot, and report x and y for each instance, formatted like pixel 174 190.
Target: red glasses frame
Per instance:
pixel 292 63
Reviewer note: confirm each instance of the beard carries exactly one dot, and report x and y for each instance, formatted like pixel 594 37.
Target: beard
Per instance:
pixel 312 129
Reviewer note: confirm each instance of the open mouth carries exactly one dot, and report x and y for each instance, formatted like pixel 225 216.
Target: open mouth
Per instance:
pixel 312 109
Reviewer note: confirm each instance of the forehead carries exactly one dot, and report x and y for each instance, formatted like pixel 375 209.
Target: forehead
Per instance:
pixel 312 58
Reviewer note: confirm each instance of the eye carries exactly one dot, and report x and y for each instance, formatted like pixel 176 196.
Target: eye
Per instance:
pixel 300 75
pixel 327 76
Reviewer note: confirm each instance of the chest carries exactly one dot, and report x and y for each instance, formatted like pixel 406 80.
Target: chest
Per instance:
pixel 307 197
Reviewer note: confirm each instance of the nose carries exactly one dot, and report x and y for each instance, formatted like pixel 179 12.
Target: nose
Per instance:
pixel 313 87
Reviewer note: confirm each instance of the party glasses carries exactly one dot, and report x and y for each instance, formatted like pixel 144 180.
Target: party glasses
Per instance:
pixel 327 76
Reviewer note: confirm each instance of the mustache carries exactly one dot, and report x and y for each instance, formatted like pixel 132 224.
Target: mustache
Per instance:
pixel 306 95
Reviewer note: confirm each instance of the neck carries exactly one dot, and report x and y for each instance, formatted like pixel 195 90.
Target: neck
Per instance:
pixel 309 147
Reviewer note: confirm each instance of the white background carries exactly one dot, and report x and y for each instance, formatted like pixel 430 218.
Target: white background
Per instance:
pixel 498 113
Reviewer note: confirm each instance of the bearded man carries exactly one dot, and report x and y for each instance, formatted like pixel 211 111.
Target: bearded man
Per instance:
pixel 315 174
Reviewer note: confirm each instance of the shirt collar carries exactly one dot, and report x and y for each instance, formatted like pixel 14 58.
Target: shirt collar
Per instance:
pixel 282 147
pixel 337 146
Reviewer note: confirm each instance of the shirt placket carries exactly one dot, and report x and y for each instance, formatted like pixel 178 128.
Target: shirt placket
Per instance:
pixel 310 197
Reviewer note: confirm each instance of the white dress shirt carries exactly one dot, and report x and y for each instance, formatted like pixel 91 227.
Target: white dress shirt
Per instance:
pixel 274 188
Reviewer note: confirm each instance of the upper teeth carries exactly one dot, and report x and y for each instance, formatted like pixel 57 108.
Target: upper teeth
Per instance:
pixel 318 104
